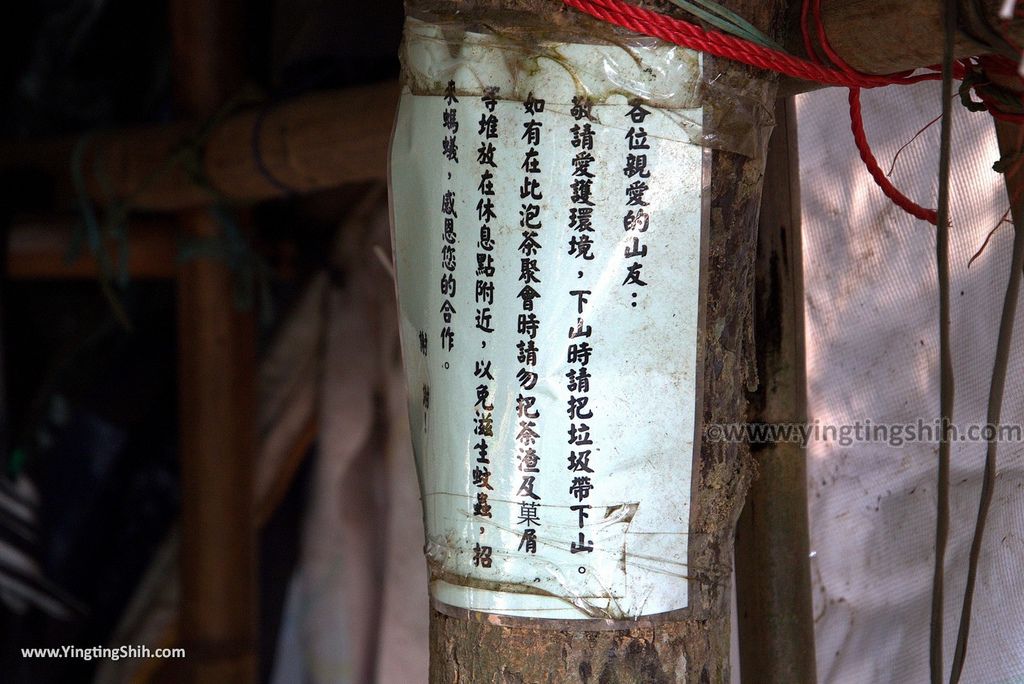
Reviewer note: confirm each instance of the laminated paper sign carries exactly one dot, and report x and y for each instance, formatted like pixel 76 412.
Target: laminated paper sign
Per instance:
pixel 547 233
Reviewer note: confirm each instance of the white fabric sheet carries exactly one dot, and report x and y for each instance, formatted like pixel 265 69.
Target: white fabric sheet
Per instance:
pixel 872 353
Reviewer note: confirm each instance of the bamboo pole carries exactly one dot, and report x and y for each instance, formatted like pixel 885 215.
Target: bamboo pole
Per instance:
pixel 217 371
pixel 218 550
pixel 773 582
pixel 323 140
pixel 40 248
pixel 314 142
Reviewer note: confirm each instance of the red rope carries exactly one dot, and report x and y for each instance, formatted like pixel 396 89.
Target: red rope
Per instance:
pixel 860 137
pixel 881 180
pixel 640 20
pixel 723 45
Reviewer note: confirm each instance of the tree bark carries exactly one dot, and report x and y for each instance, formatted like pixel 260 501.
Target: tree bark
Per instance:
pixel 694 647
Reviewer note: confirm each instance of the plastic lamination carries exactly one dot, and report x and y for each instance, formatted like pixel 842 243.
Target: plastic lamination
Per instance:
pixel 549 202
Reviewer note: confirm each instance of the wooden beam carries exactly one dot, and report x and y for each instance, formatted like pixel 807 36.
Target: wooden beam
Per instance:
pixel 888 36
pixel 38 249
pixel 884 36
pixel 773 579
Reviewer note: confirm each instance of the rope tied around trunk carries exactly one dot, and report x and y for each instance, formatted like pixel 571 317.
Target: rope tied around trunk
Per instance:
pixel 823 66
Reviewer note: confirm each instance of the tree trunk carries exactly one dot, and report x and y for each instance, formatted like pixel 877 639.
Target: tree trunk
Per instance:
pixel 695 646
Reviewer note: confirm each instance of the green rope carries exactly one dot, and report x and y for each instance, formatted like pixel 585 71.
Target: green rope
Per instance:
pixel 727 21
pixel 252 273
pixel 94 233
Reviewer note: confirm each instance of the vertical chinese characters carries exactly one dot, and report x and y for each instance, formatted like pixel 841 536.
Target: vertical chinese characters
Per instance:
pixel 582 247
pixel 636 219
pixel 581 444
pixel 528 414
pixel 581 213
pixel 483 297
pixel 450 153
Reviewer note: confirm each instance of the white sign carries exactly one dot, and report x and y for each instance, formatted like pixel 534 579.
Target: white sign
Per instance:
pixel 548 252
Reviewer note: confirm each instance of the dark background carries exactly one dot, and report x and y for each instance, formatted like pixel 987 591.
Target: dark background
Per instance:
pixel 89 409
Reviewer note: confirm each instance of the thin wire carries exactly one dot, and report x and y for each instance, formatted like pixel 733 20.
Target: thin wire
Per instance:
pixel 995 405
pixel 946 380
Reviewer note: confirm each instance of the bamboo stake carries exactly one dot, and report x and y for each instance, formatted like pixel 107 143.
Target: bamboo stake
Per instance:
pixel 773 583
pixel 217 372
